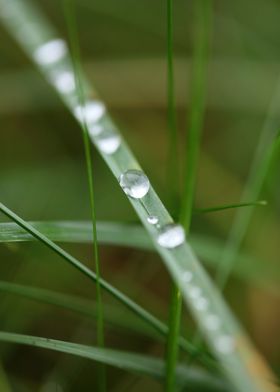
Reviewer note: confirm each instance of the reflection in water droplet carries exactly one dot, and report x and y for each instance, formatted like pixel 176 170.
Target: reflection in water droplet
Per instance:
pixel 64 81
pixel 91 112
pixel 225 344
pixel 134 183
pixel 171 236
pixel 152 219
pixel 187 276
pixel 212 322
pixel 109 144
pixel 50 52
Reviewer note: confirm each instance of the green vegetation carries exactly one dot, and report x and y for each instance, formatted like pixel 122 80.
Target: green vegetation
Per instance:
pixel 44 179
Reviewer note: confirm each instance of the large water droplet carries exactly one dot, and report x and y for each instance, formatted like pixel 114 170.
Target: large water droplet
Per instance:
pixel 109 144
pixel 152 219
pixel 171 236
pixel 225 344
pixel 64 81
pixel 134 183
pixel 91 112
pixel 50 52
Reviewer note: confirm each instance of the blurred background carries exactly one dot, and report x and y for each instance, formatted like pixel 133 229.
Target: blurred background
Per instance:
pixel 43 176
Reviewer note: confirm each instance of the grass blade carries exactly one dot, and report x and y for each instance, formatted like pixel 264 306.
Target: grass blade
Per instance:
pixel 130 362
pixel 69 11
pixel 130 304
pixel 238 356
pixel 172 181
pixel 230 206
pixel 246 267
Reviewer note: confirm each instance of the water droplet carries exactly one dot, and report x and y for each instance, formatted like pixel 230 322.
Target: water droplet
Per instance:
pixel 152 219
pixel 95 129
pixel 64 81
pixel 195 292
pixel 225 344
pixel 109 144
pixel 134 183
pixel 171 236
pixel 50 52
pixel 91 112
pixel 212 322
pixel 187 276
pixel 201 304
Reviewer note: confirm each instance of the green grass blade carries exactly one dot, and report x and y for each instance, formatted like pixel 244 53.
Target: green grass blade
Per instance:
pixel 202 17
pixel 131 362
pixel 238 354
pixel 229 207
pixel 209 249
pixel 79 305
pixel 160 327
pixel 69 10
pixel 130 304
pixel 172 181
pixel 268 145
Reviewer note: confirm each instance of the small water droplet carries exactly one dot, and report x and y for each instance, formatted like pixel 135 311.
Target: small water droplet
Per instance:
pixel 225 344
pixel 212 322
pixel 64 81
pixel 152 219
pixel 201 304
pixel 50 52
pixel 171 236
pixel 109 144
pixel 134 183
pixel 195 292
pixel 187 276
pixel 91 112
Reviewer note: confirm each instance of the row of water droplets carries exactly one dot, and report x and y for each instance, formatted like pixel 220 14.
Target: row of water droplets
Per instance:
pixel 136 185
pixel 53 57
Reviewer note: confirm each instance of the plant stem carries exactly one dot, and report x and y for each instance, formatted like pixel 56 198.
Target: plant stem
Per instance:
pixel 73 34
pixel 172 179
pixel 202 18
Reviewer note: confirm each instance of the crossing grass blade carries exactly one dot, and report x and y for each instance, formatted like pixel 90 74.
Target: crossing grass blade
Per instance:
pixel 246 267
pixel 136 363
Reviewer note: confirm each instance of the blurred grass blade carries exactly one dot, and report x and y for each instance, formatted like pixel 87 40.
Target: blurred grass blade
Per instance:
pixel 87 308
pixel 209 249
pixel 228 342
pixel 131 362
pixel 268 145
